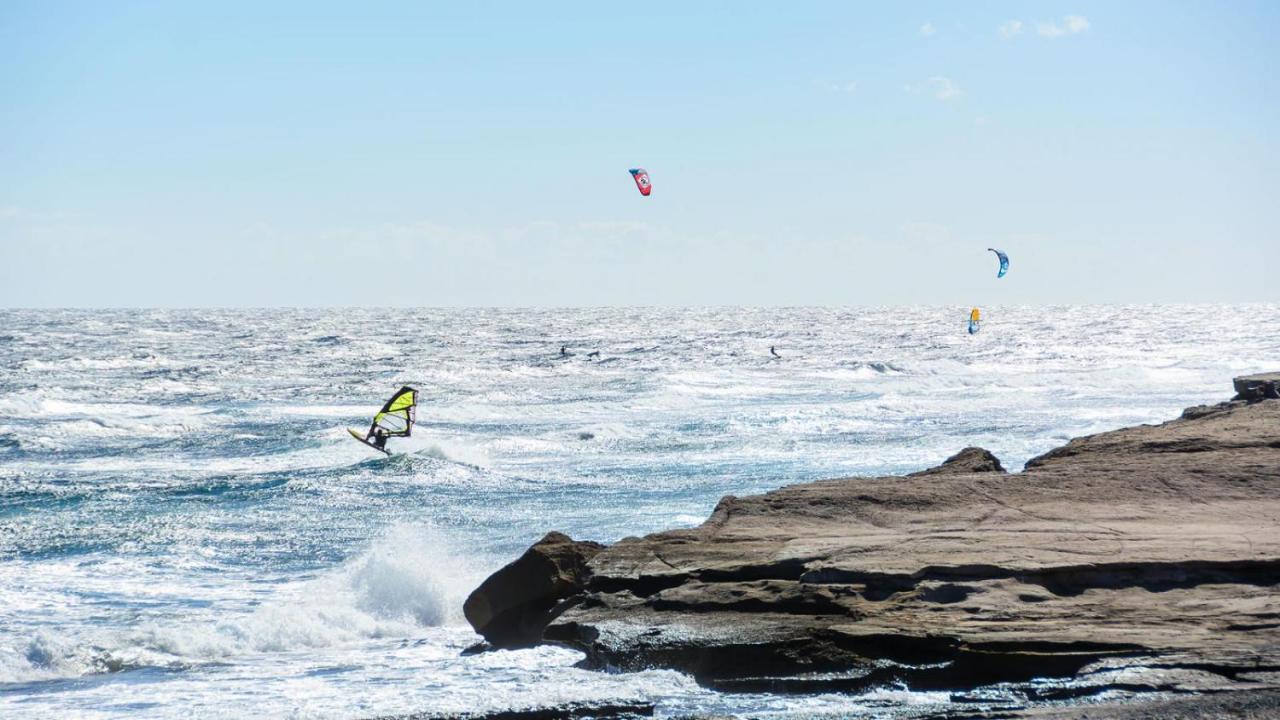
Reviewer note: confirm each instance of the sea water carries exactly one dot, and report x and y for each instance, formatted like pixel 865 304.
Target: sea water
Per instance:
pixel 187 529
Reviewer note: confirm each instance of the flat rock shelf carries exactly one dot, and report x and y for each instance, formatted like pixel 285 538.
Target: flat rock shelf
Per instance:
pixel 1143 559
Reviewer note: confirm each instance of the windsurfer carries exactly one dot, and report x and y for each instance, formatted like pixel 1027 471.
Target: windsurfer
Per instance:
pixel 395 419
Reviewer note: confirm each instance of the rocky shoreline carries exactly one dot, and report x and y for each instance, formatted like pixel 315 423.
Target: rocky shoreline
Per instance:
pixel 1145 559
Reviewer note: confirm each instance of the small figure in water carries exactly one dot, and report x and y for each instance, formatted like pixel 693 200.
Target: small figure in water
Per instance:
pixel 773 351
pixel 379 437
pixel 564 351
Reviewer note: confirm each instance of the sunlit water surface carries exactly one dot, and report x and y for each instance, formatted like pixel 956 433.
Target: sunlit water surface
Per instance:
pixel 187 530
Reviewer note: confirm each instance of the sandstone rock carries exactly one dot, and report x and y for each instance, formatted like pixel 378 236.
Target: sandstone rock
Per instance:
pixel 968 460
pixel 1252 388
pixel 1148 556
pixel 513 605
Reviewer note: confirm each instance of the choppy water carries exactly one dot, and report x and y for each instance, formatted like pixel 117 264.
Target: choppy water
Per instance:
pixel 187 530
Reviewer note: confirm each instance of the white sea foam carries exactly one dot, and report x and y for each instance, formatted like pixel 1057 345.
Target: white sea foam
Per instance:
pixel 453 450
pixel 406 581
pixel 179 491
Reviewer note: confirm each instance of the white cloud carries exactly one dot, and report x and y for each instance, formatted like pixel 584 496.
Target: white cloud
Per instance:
pixel 928 29
pixel 941 88
pixel 1010 28
pixel 1071 25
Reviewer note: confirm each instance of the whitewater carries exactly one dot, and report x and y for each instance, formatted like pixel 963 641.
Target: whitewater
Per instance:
pixel 187 529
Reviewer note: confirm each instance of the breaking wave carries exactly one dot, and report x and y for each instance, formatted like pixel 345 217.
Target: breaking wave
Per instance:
pixel 407 580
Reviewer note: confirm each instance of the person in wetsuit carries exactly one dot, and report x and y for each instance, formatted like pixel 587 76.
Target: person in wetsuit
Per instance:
pixel 379 438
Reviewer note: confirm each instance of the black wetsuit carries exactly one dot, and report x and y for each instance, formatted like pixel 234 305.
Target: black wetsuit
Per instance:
pixel 379 439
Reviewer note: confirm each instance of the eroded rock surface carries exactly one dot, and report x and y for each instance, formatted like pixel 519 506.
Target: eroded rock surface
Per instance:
pixel 968 460
pixel 511 608
pixel 1146 555
pixel 1252 388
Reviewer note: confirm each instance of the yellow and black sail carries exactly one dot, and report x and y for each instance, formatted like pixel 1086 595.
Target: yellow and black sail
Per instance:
pixel 396 418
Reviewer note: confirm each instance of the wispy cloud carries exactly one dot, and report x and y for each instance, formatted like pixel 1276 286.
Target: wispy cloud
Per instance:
pixel 1010 28
pixel 1071 25
pixel 928 29
pixel 941 88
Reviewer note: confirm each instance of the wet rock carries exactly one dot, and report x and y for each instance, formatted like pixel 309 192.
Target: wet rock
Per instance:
pixel 1252 388
pixel 1144 560
pixel 617 710
pixel 968 460
pixel 511 608
pixel 1235 705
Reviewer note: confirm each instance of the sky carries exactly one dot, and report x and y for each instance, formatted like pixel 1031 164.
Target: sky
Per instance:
pixel 246 154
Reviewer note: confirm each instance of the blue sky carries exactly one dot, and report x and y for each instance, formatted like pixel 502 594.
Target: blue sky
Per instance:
pixel 424 154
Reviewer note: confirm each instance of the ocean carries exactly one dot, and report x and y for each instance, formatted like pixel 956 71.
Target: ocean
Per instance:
pixel 187 529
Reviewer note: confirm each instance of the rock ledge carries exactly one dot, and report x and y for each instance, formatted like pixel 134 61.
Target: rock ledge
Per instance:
pixel 1147 558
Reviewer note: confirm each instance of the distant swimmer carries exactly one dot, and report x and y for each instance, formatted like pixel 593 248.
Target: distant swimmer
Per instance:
pixel 564 351
pixel 773 351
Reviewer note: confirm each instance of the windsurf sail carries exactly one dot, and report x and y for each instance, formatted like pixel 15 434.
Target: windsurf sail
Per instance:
pixel 1004 262
pixel 396 418
pixel 975 321
pixel 642 180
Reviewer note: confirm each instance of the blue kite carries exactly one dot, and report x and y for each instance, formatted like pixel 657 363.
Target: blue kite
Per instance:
pixel 1004 262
